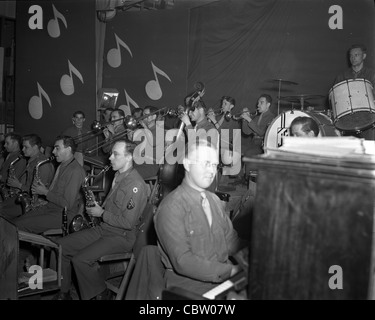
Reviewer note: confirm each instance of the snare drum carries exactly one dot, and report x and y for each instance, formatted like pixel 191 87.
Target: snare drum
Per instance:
pixel 352 104
pixel 279 127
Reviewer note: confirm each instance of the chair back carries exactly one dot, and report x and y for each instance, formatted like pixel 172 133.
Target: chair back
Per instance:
pixel 146 231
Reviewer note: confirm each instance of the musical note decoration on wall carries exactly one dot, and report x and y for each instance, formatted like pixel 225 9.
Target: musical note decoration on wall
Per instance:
pixel 129 101
pixel 153 88
pixel 66 82
pixel 36 103
pixel 53 26
pixel 114 54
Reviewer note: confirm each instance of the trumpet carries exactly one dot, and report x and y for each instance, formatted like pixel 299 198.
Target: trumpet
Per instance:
pixel 238 116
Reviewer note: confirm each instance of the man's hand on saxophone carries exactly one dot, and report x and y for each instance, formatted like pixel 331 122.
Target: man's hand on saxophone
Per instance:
pixel 13 182
pixel 96 211
pixel 39 188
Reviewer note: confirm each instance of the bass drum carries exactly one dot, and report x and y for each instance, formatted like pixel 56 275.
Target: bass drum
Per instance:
pixel 279 127
pixel 352 104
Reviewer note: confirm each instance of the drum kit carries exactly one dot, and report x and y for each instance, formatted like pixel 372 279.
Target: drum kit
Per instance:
pixel 351 102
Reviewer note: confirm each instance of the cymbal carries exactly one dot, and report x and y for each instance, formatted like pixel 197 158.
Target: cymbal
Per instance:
pixel 303 96
pixel 283 81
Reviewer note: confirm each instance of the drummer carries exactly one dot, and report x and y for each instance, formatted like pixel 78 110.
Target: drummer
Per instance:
pixel 358 70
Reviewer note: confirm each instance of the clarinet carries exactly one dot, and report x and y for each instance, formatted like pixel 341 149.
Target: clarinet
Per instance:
pixel 81 222
pixel 9 192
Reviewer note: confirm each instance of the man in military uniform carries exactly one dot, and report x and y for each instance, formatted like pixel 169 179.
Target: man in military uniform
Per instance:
pixel 122 215
pixel 32 144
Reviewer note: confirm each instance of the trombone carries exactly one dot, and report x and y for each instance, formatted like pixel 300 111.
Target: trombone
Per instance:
pixel 108 142
pixel 131 124
pixel 97 128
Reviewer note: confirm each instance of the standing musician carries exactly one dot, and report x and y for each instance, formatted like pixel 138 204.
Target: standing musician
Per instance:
pixel 12 145
pixel 195 234
pixel 32 144
pixel 114 128
pixel 122 215
pixel 226 124
pixel 153 144
pixel 76 131
pixel 257 127
pixel 203 126
pixel 357 70
pixel 63 191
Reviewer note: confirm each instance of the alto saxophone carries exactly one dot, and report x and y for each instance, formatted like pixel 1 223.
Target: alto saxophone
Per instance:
pixel 85 221
pixel 34 202
pixel 10 192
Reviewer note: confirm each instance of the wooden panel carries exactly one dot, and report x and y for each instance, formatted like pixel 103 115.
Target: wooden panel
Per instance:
pixel 304 222
pixel 8 260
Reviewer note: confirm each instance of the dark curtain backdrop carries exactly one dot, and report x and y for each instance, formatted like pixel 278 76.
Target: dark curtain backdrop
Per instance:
pixel 237 46
pixel 42 57
pixel 147 39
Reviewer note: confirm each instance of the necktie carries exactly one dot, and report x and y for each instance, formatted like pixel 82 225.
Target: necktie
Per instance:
pixel 206 208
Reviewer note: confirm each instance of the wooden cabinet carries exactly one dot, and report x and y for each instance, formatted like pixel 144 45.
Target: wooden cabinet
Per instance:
pixel 308 216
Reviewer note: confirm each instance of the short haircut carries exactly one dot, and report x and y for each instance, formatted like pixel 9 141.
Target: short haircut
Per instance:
pixel 68 141
pixel 129 146
pixel 121 112
pixel 308 124
pixel 267 97
pixel 33 139
pixel 79 112
pixel 190 147
pixel 229 99
pixel 358 46
pixel 152 109
pixel 15 137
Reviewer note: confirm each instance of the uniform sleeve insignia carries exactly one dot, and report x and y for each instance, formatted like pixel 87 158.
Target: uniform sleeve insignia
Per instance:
pixel 130 204
pixel 135 189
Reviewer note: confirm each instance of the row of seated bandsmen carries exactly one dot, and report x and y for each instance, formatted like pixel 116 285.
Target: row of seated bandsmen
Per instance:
pixel 195 236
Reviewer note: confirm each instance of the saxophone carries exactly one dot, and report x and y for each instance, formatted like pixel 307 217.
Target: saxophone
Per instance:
pixel 36 202
pixel 81 222
pixel 9 192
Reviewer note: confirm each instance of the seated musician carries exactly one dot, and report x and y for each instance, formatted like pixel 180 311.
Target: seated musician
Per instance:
pixel 32 144
pixel 195 235
pixel 257 127
pixel 112 131
pixel 64 191
pixel 304 127
pixel 12 145
pixel 122 215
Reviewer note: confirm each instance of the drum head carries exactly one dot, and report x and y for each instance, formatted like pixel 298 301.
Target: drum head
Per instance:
pixel 358 121
pixel 280 127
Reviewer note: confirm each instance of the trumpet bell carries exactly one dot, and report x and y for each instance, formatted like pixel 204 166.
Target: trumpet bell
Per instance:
pixel 131 123
pixel 228 116
pixel 96 125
